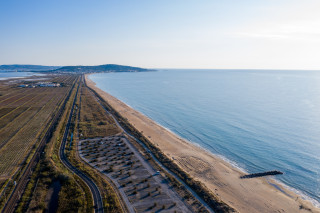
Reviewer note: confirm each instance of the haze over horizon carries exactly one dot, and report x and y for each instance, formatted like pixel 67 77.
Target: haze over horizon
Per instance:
pixel 164 34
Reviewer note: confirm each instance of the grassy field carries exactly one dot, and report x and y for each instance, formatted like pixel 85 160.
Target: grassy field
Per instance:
pixel 93 120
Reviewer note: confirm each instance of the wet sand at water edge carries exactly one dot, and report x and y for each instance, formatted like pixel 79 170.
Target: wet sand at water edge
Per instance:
pixel 245 195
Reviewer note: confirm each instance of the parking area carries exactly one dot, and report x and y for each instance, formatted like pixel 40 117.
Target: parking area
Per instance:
pixel 142 187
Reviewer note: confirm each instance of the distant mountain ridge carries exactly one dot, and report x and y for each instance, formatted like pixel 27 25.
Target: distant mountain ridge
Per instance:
pixel 72 69
pixel 26 67
pixel 101 68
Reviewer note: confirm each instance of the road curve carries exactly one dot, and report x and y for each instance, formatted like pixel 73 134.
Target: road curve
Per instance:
pixel 209 209
pixel 97 199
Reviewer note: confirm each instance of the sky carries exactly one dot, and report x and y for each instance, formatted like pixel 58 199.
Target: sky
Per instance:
pixel 213 34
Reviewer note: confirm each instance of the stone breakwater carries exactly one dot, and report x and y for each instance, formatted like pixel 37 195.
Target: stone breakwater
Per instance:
pixel 261 174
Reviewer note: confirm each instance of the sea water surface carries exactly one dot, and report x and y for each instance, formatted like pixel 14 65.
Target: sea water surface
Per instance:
pixel 257 119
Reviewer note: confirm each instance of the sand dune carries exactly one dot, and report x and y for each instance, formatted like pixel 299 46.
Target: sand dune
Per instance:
pixel 245 195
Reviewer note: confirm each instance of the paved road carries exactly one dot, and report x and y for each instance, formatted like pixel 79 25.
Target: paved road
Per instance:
pixel 158 162
pixel 97 199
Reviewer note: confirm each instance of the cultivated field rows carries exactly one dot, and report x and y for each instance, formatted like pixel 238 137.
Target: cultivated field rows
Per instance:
pixel 9 93
pixel 20 118
pixel 25 112
pixel 22 141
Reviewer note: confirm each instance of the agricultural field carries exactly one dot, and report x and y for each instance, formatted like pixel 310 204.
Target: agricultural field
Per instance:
pixel 142 187
pixel 24 115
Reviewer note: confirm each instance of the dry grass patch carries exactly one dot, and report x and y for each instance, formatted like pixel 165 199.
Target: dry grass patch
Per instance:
pixel 94 122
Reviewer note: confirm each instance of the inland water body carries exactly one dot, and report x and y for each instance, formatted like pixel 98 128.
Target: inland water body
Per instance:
pixel 258 120
pixel 8 74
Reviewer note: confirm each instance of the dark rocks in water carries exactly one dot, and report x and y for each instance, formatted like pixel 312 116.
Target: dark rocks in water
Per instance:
pixel 261 174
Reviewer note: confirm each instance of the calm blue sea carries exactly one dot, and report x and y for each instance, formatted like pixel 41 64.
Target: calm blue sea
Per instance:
pixel 257 119
pixel 7 74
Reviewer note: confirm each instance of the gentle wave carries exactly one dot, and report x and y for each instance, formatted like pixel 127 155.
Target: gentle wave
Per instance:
pixel 250 119
pixel 300 193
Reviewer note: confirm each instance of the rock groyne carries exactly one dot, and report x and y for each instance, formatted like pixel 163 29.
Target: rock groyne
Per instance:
pixel 261 174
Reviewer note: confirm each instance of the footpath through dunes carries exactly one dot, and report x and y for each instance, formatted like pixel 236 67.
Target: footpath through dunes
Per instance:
pixel 223 180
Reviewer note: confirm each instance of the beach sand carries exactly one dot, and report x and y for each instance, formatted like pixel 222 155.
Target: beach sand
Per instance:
pixel 245 195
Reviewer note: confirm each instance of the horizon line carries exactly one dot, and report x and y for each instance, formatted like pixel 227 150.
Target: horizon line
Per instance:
pixel 280 69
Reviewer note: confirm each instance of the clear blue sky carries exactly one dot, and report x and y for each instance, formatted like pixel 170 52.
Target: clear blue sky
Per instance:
pixel 278 34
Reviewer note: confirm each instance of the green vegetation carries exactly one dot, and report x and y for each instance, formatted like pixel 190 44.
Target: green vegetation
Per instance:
pixel 91 114
pixel 72 195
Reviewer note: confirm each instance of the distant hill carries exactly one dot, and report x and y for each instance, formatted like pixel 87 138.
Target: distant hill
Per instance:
pixel 25 67
pixel 71 69
pixel 101 68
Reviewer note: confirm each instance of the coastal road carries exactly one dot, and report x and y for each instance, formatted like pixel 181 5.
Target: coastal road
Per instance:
pixel 97 199
pixel 209 209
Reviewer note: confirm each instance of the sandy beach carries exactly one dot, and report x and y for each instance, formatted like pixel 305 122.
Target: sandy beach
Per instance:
pixel 245 195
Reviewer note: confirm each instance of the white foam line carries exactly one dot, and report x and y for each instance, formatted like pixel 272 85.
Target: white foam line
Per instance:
pixel 230 162
pixel 299 193
pixel 224 158
pixel 236 165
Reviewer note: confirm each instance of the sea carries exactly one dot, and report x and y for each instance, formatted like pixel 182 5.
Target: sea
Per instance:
pixel 4 75
pixel 257 120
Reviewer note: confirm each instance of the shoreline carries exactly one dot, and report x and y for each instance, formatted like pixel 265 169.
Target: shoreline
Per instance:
pixel 216 173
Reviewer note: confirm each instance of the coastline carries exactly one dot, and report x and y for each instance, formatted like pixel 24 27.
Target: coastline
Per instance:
pixel 245 195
